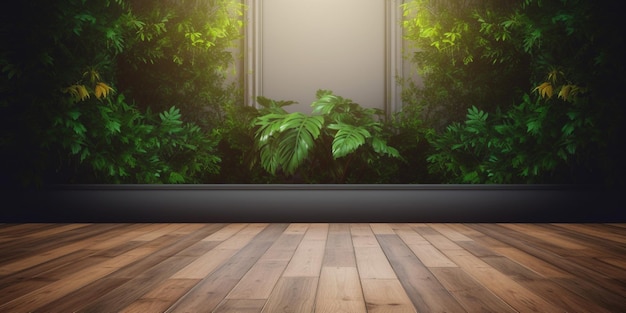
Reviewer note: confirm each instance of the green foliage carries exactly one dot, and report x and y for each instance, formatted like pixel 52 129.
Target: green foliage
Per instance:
pixel 533 142
pixel 322 147
pixel 237 148
pixel 48 46
pixel 285 139
pixel 113 142
pixel 64 118
pixel 179 53
pixel 465 57
pixel 537 82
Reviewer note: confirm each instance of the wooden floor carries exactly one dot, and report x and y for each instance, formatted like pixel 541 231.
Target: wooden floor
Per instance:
pixel 317 267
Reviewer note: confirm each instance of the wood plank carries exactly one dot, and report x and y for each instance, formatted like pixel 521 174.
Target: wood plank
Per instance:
pixel 293 294
pixel 547 289
pixel 226 232
pixel 360 267
pixel 594 286
pixel 618 262
pixel 56 229
pixel 431 256
pixel 14 286
pixel 410 237
pixel 317 231
pixel 79 298
pixel 465 259
pixel 161 297
pixel 259 282
pixel 307 259
pixel 592 230
pixel 373 264
pixel 297 228
pixel 240 306
pixel 59 249
pixel 23 230
pixel 362 236
pixel 79 279
pixel 284 248
pixel 339 291
pixel 448 231
pixel 477 248
pixel 472 295
pixel 559 243
pixel 425 291
pixel 140 276
pixel 386 296
pixel 214 288
pixel 211 260
pixel 595 245
pixel 22 287
pixel 537 265
pixel 442 243
pixel 133 280
pixel 339 251
pixel 382 229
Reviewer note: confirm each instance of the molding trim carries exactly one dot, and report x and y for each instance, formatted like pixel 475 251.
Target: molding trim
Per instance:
pixel 253 46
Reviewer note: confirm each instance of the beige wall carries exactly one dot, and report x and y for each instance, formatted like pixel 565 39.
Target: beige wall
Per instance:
pixel 324 44
pixel 352 47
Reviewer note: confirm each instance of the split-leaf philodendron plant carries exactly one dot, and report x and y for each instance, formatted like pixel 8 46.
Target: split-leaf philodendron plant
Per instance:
pixel 328 146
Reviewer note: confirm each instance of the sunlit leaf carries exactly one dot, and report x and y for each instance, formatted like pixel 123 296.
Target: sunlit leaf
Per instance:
pixel 79 92
pixel 554 75
pixel 568 92
pixel 92 74
pixel 545 90
pixel 102 90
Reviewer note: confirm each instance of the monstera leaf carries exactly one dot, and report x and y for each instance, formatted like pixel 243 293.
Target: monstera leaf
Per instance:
pixel 348 138
pixel 286 139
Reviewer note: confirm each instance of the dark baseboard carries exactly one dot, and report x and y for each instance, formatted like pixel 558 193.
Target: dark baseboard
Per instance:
pixel 313 203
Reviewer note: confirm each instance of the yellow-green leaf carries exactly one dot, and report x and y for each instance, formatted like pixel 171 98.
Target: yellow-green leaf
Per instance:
pixel 545 90
pixel 102 90
pixel 77 91
pixel 568 92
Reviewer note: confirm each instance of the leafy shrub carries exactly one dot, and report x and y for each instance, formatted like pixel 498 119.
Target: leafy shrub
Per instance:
pixel 63 118
pixel 536 81
pixel 336 144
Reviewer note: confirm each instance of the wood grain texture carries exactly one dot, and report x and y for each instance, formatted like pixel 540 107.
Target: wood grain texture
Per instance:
pixel 312 267
pixel 340 291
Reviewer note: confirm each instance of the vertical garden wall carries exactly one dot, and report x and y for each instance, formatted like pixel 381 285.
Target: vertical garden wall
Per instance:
pixel 142 92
